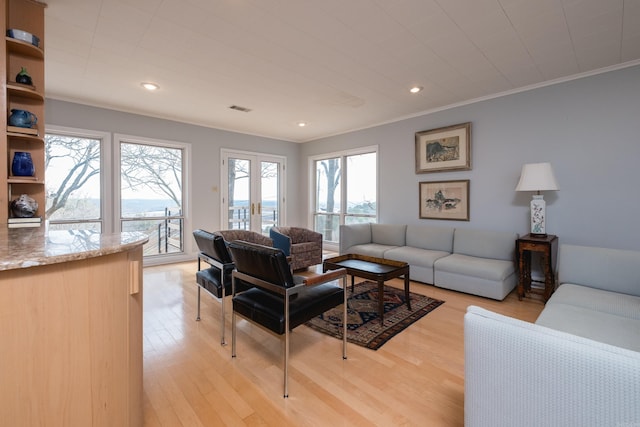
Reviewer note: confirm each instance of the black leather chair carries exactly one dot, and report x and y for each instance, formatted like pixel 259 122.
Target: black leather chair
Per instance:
pixel 216 279
pixel 277 302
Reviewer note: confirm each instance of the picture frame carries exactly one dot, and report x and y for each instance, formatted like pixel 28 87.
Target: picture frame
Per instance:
pixel 444 149
pixel 447 200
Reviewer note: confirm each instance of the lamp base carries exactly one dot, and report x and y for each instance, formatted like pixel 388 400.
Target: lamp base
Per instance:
pixel 538 235
pixel 538 213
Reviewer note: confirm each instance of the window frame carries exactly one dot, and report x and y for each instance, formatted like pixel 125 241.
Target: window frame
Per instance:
pixel 118 139
pixel 343 155
pixel 106 223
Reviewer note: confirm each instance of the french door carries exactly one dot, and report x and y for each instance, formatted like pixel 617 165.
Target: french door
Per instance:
pixel 252 191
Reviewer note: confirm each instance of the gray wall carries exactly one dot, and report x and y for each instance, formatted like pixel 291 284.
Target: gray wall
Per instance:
pixel 206 144
pixel 589 129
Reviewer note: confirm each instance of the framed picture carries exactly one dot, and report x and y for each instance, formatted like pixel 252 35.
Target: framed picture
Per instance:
pixel 444 149
pixel 445 200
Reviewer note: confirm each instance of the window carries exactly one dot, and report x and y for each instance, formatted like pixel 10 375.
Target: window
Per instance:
pixel 151 193
pixel 134 184
pixel 346 188
pixel 73 181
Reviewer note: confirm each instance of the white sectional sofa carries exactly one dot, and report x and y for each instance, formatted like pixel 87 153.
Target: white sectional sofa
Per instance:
pixel 472 261
pixel 578 365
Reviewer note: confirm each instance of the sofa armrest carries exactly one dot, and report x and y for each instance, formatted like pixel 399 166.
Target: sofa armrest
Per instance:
pixel 354 234
pixel 522 374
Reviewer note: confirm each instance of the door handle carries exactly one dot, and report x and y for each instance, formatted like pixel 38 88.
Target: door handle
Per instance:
pixel 253 209
pixel 259 208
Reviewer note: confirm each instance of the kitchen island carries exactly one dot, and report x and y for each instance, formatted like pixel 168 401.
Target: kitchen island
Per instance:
pixel 70 327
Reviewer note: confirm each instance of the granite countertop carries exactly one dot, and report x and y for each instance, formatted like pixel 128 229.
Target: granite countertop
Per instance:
pixel 30 247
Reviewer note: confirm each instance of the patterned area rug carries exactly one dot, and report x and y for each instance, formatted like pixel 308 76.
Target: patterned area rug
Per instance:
pixel 364 326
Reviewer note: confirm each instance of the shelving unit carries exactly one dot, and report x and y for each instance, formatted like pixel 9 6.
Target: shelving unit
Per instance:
pixel 27 15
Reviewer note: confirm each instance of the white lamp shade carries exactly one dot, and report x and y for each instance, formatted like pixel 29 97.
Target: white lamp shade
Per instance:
pixel 537 177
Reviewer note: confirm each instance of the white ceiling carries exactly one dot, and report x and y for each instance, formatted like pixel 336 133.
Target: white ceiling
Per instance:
pixel 339 65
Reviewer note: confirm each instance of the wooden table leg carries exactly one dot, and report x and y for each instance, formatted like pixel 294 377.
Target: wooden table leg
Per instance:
pixel 548 276
pixel 406 291
pixel 381 300
pixel 522 269
pixel 524 284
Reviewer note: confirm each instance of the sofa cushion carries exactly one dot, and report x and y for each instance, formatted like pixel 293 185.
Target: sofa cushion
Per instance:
pixel 388 234
pixel 370 249
pixel 485 244
pixel 588 323
pixel 427 237
pixel 415 256
pixel 484 268
pixel 597 300
pixel 354 234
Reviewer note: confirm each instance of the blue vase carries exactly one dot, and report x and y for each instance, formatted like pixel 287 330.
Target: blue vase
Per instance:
pixel 22 164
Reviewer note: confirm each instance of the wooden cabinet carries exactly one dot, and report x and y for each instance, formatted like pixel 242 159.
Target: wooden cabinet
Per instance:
pixel 547 247
pixel 26 15
pixel 71 336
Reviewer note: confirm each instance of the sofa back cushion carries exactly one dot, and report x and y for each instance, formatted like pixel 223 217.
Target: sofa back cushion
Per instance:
pixel 354 234
pixel 485 244
pixel 428 237
pixel 609 269
pixel 388 234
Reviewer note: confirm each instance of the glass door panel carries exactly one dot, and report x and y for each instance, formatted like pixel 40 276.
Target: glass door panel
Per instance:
pixel 253 191
pixel 239 194
pixel 269 197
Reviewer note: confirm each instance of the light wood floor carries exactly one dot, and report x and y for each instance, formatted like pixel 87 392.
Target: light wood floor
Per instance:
pixel 415 379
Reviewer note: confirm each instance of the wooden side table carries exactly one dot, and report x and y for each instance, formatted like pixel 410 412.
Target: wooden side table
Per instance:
pixel 548 249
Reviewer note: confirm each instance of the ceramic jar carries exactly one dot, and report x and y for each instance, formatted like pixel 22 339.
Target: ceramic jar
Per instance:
pixel 22 118
pixel 22 164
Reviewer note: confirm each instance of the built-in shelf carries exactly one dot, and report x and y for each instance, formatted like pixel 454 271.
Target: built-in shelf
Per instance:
pixel 24 48
pixel 25 137
pixel 16 89
pixel 26 15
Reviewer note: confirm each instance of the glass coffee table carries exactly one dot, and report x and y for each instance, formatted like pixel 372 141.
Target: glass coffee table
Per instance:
pixel 371 268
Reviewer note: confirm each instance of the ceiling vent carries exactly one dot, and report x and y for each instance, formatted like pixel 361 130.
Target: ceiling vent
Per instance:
pixel 239 108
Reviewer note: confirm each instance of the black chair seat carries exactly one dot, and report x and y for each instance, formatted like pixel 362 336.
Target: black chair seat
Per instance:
pixel 267 309
pixel 209 279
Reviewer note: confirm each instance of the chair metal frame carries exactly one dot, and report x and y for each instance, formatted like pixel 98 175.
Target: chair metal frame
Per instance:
pixel 287 293
pixel 223 267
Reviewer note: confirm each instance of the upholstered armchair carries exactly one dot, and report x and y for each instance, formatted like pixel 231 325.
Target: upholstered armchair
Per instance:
pixel 301 245
pixel 246 236
pixel 277 301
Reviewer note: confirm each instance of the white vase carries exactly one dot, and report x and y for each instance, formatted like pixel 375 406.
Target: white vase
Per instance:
pixel 538 213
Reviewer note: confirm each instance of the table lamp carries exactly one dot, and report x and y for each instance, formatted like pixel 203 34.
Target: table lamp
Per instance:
pixel 537 177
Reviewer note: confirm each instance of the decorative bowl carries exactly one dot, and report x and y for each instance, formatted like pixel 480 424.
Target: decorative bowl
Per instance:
pixel 24 207
pixel 24 36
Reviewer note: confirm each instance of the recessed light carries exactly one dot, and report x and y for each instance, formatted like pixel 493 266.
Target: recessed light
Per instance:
pixel 302 124
pixel 416 89
pixel 150 86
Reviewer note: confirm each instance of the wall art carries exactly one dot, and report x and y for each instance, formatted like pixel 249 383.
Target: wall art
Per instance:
pixel 444 149
pixel 445 200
